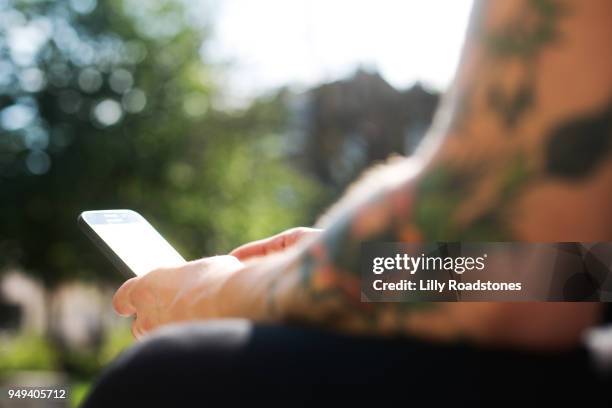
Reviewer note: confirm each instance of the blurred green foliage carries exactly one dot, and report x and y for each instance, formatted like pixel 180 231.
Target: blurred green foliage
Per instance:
pixel 78 392
pixel 109 104
pixel 86 362
pixel 31 352
pixel 115 341
pixel 26 352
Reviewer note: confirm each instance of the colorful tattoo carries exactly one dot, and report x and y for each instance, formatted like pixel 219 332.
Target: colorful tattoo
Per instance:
pixel 461 195
pixel 522 38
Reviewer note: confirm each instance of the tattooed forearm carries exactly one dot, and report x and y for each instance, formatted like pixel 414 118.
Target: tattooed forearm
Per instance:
pixel 329 269
pixel 484 185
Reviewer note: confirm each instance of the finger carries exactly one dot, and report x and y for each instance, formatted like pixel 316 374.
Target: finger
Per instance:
pixel 295 234
pixel 141 326
pixel 272 244
pixel 121 299
pixel 255 248
pixel 145 325
pixel 136 329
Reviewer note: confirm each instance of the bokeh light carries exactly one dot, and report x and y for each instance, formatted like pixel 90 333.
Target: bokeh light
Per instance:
pixel 17 116
pixel 38 162
pixel 107 112
pixel 32 80
pixel 121 80
pixel 83 6
pixel 90 80
pixel 134 101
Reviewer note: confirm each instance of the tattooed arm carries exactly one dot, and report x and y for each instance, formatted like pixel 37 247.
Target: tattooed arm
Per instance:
pixel 520 150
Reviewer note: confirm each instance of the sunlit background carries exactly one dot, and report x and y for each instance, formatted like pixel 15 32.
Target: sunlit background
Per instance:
pixel 273 43
pixel 220 121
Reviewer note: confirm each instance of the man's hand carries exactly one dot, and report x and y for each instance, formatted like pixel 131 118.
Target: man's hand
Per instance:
pixel 195 290
pixel 275 243
pixel 165 295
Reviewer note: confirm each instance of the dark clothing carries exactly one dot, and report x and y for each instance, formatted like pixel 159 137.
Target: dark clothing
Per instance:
pixel 235 363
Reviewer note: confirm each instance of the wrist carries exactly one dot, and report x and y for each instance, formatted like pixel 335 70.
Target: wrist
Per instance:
pixel 263 290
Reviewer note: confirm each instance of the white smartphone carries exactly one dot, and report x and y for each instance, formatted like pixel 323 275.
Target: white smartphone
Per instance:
pixel 129 241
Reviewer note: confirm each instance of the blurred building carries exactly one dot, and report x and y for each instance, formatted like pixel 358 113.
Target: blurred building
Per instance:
pixel 22 302
pixel 344 126
pixel 75 313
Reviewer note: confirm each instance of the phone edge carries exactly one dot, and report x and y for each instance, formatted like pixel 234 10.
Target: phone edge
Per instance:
pixel 103 247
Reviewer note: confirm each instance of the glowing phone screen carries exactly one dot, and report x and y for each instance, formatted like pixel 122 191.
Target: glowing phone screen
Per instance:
pixel 133 240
